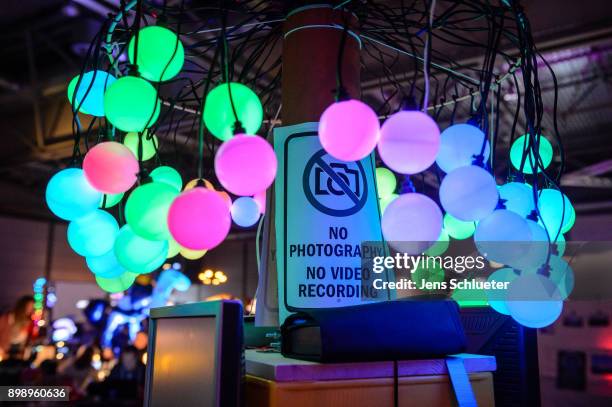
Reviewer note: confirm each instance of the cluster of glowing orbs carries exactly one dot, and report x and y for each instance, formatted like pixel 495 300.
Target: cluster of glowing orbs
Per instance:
pixel 149 144
pixel 147 208
pixel 93 234
pixel 110 167
pixel 409 141
pixel 199 219
pixel 503 236
pixel 520 146
pixel 69 195
pixel 469 193
pixel 459 145
pixel 117 284
pixel 160 53
pixel 533 301
pixel 440 246
pixel 518 198
pixel 105 265
pixel 383 203
pixel 110 200
pixel 192 254
pixel 458 229
pixel 349 130
pixel 245 165
pixel 131 104
pixel 137 254
pixel 497 297
pixel 555 210
pixel 167 175
pixel 245 211
pixel 89 98
pixel 260 198
pixel 219 115
pixel 411 223
pixel 386 183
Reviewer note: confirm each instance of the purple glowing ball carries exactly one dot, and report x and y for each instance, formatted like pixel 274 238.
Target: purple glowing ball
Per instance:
pixel 349 130
pixel 409 141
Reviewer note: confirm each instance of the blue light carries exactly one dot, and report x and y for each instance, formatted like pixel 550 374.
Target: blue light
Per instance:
pixel 91 99
pixel 533 301
pixel 105 265
pixel 497 298
pixel 518 198
pixel 495 232
pixel 69 195
pixel 93 234
pixel 245 211
pixel 555 209
pixel 459 145
pixel 469 193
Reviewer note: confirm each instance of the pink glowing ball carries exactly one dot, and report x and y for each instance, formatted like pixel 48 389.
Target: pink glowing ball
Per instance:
pixel 110 167
pixel 409 141
pixel 349 130
pixel 260 198
pixel 245 165
pixel 199 219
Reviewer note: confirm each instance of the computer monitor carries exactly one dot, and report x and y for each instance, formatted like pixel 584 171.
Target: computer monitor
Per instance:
pixel 195 355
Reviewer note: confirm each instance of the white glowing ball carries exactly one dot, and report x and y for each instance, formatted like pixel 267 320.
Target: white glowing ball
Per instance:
pixel 518 198
pixel 503 237
pixel 533 301
pixel 459 145
pixel 469 193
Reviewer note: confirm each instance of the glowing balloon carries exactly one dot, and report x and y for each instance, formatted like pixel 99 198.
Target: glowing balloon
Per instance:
pixel 245 164
pixel 385 182
pixel 520 146
pixel 533 301
pixel 160 53
pixel 90 95
pixel 106 265
pixel 219 115
pixel 538 248
pixel 117 284
pixel 383 203
pixel 93 234
pixel 349 130
pixel 459 146
pixel 518 198
pixel 503 236
pixel 497 297
pixel 110 167
pixel 412 223
pixel 440 246
pixel 469 193
pixel 199 219
pixel 138 254
pixel 173 248
pixel 409 141
pixel 192 254
pixel 108 201
pixel 555 209
pixel 260 198
pixel 167 175
pixel 149 145
pixel 69 195
pixel 146 210
pixel 458 229
pixel 131 104
pixel 245 211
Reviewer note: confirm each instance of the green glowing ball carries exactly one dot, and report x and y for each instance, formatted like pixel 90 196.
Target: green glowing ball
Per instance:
pixel 469 298
pixel 146 210
pixel 110 200
pixel 431 273
pixel 117 284
pixel 160 53
pixel 385 182
pixel 138 254
pixel 167 175
pixel 384 202
pixel 173 248
pixel 570 223
pixel 521 144
pixel 440 246
pixel 555 210
pixel 131 104
pixel 149 144
pixel 458 229
pixel 219 116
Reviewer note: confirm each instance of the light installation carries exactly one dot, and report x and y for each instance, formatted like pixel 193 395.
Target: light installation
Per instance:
pixel 460 144
pixel 93 234
pixel 146 210
pixel 110 167
pixel 469 193
pixel 131 104
pixel 89 98
pixel 245 211
pixel 520 148
pixel 160 53
pixel 149 144
pixel 137 254
pixel 69 195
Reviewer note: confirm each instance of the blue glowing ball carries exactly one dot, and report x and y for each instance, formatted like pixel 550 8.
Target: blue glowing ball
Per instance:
pixel 70 196
pixel 106 265
pixel 503 237
pixel 536 249
pixel 459 144
pixel 93 234
pixel 497 297
pixel 137 254
pixel 560 274
pixel 469 193
pixel 555 211
pixel 90 95
pixel 245 211
pixel 533 301
pixel 518 197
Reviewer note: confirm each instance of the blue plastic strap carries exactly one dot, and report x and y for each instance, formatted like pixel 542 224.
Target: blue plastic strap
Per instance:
pixel 461 382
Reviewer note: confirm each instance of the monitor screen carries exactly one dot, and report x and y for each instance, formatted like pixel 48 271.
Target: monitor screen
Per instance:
pixel 184 362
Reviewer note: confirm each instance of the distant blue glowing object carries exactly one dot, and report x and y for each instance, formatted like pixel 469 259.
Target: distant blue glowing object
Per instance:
pixel 497 297
pixel 503 237
pixel 556 211
pixel 459 145
pixel 93 234
pixel 106 265
pixel 168 280
pixel 533 301
pixel 70 196
pixel 518 198
pixel 245 211
pixel 63 329
pixel 469 193
pixel 90 94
